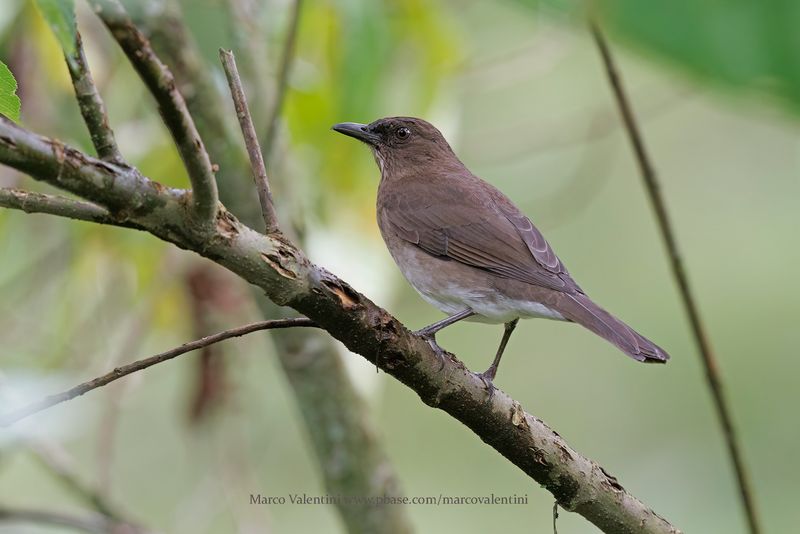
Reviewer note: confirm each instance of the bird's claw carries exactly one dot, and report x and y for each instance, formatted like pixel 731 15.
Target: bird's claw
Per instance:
pixel 487 377
pixel 431 340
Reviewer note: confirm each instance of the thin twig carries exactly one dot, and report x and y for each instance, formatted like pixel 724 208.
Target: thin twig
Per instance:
pixel 55 462
pixel 161 84
pixel 283 78
pixel 51 161
pixel 164 24
pixel 668 234
pixel 555 517
pixel 94 523
pixel 250 140
pixel 31 202
pixel 125 370
pixel 91 105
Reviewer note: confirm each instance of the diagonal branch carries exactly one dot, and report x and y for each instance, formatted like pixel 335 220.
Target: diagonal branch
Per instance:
pixel 31 202
pixel 287 57
pixel 161 84
pixel 123 190
pixel 701 338
pixel 54 462
pixel 91 105
pixel 164 25
pixel 139 365
pixel 288 278
pixel 94 523
pixel 250 140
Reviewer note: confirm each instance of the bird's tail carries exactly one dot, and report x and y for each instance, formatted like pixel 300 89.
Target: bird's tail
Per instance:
pixel 582 310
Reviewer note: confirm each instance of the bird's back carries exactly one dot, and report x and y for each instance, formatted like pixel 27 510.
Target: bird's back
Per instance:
pixel 457 215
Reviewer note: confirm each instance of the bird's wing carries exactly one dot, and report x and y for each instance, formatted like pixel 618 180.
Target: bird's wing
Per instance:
pixel 482 229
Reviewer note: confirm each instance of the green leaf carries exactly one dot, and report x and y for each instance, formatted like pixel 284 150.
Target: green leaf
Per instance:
pixel 740 43
pixel 60 15
pixel 737 44
pixel 9 101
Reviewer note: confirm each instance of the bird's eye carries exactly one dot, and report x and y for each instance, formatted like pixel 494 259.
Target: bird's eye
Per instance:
pixel 402 133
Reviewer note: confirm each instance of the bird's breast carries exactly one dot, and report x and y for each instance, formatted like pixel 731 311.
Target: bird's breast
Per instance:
pixel 452 287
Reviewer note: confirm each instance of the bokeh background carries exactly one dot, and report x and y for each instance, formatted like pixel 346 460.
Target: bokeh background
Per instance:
pixel 519 90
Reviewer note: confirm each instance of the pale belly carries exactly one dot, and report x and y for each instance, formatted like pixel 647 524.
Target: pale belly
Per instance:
pixel 489 308
pixel 452 287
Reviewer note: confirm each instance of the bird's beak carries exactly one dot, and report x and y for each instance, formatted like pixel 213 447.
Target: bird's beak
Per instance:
pixel 359 131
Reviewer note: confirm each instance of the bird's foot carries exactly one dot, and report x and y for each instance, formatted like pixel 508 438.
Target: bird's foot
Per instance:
pixel 431 340
pixel 487 377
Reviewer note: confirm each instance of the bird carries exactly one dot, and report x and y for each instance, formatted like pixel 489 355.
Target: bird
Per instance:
pixel 467 249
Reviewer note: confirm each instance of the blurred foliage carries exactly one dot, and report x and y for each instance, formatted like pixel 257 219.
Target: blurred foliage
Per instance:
pixel 738 44
pixel 358 61
pixel 9 101
pixel 60 15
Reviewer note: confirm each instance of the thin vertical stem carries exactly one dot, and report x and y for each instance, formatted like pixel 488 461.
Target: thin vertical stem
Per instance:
pixel 250 141
pixel 702 340
pixel 283 78
pixel 91 105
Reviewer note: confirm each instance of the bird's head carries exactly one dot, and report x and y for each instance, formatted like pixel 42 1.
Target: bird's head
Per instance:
pixel 401 141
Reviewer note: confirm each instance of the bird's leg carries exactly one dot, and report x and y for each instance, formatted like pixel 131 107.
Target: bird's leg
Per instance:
pixel 429 332
pixel 488 375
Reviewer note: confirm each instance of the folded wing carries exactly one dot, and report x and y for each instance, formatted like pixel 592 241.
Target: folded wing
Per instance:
pixel 485 231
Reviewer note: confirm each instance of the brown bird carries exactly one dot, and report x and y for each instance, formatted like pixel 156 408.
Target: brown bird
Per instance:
pixel 467 249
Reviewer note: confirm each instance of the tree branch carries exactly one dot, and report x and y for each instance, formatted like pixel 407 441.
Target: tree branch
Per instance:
pixel 161 84
pixel 94 523
pixel 57 465
pixel 31 202
pixel 250 141
pixel 91 105
pixel 125 370
pixel 163 24
pixel 283 78
pixel 122 190
pixel 287 277
pixel 713 377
